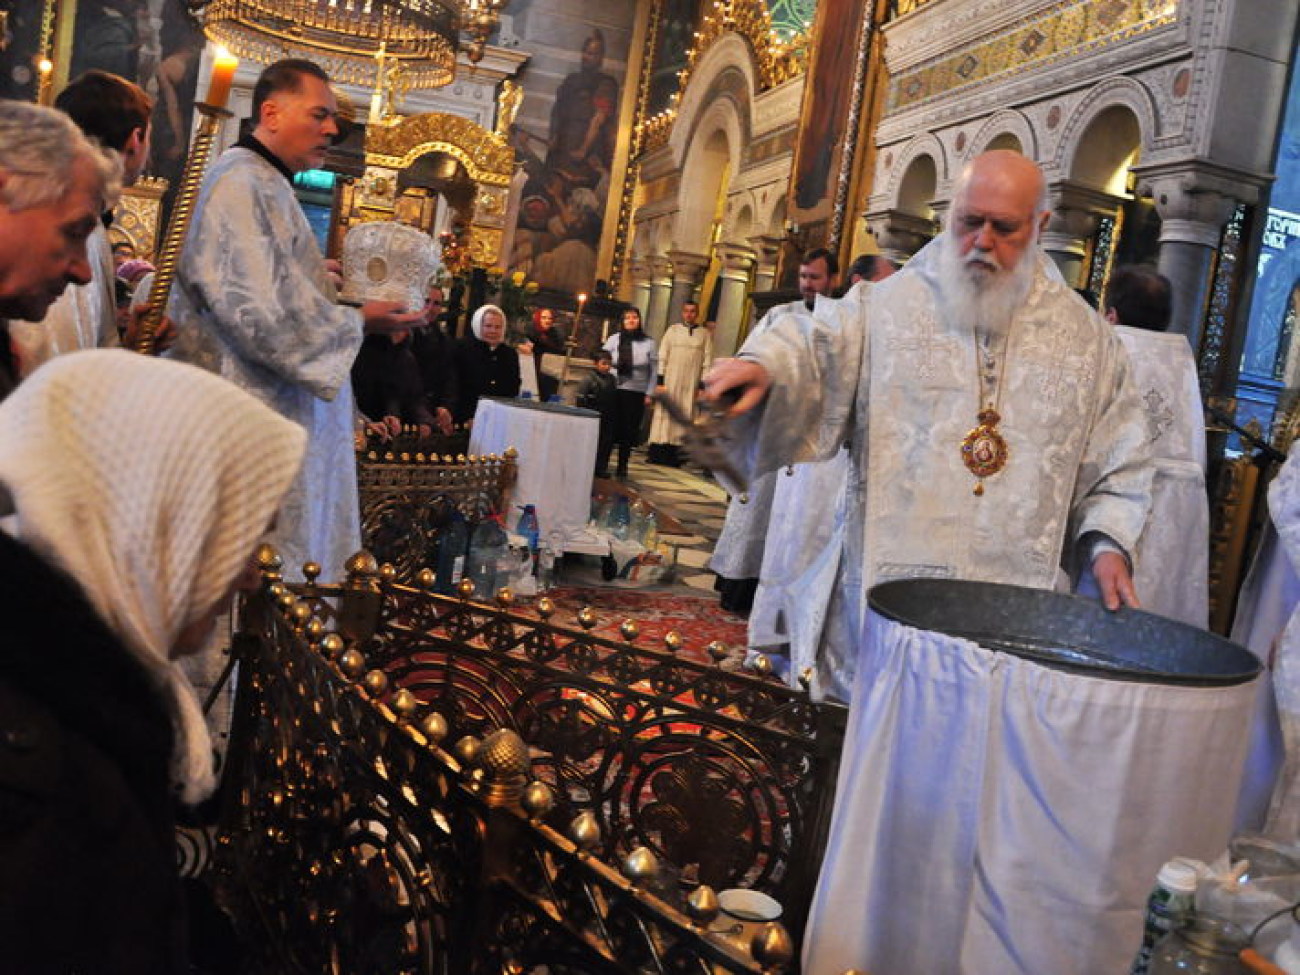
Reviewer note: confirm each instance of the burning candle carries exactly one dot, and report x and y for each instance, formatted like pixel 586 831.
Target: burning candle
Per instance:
pixel 223 75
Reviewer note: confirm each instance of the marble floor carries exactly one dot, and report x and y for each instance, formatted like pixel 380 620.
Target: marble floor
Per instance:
pixel 695 501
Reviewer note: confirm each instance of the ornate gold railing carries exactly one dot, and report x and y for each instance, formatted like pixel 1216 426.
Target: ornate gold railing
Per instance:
pixel 407 496
pixel 354 842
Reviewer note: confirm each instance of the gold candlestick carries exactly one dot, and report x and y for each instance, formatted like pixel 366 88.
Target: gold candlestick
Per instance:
pixel 196 164
pixel 572 343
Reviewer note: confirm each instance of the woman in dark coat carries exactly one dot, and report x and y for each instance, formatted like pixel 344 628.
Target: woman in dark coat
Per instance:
pixel 486 366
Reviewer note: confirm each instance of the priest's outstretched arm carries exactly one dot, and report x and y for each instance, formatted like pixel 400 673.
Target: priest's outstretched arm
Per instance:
pixel 796 385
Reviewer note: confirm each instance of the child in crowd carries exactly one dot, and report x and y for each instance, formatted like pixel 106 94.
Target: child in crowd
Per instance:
pixel 597 392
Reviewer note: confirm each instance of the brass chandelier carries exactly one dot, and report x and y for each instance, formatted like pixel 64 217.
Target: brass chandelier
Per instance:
pixel 356 41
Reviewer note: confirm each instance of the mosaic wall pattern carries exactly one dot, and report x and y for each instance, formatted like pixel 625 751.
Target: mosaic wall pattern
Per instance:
pixel 791 17
pixel 1067 29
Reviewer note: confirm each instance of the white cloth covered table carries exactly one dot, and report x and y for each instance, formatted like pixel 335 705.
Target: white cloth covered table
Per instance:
pixel 996 816
pixel 557 455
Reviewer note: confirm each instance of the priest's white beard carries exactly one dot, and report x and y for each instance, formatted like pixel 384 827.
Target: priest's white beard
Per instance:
pixel 976 292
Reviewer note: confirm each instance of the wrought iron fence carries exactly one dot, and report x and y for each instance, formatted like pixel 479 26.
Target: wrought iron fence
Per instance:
pixel 358 844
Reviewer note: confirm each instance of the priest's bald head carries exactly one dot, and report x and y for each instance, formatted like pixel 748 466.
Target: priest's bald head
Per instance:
pixel 54 184
pixel 990 245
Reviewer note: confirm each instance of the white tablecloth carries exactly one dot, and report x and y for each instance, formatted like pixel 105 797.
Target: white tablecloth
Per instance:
pixel 557 456
pixel 997 817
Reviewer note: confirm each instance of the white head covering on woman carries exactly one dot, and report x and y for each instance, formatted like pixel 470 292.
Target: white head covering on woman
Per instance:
pixel 476 321
pixel 150 483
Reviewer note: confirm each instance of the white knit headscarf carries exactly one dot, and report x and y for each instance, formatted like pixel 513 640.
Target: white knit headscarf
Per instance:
pixel 476 320
pixel 150 482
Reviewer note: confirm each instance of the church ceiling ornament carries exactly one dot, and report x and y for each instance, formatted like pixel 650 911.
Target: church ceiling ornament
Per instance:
pixel 778 57
pixel 1071 28
pixel 356 40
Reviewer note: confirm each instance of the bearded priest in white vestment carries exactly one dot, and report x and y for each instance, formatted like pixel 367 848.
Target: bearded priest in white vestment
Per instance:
pixel 255 302
pixel 997 436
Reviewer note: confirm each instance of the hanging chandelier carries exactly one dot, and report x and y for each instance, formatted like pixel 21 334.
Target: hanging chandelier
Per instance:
pixel 356 41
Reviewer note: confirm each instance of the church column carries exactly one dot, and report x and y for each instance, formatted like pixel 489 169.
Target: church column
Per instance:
pixel 899 234
pixel 767 251
pixel 737 261
pixel 1075 210
pixel 640 272
pixel 661 286
pixel 1194 201
pixel 688 271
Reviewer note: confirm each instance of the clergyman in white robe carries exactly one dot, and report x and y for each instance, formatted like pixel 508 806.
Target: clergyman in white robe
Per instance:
pixel 802 566
pixel 738 553
pixel 253 303
pixel 1171 563
pixel 685 351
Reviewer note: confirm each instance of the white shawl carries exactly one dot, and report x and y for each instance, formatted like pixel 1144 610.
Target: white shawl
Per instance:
pixel 150 482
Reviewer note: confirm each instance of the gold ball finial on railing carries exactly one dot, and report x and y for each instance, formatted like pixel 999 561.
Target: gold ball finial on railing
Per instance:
pixel 300 613
pixel 425 579
pixel 545 607
pixel 505 597
pixel 629 630
pixel 640 866
pixel 332 645
pixel 718 651
pixel 268 560
pixel 465 588
pixel 434 728
pixel 311 572
pixel 466 751
pixel 587 618
pixel 702 906
pixel 387 573
pixel 353 663
pixel 672 641
pixel 585 831
pixel 375 682
pixel 772 946
pixel 314 630
pixel 537 800
pixel 404 705
pixel 761 664
pixel 511 454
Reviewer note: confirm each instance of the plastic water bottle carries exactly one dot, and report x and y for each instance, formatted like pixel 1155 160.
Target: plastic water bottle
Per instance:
pixel 527 527
pixel 452 546
pixel 488 551
pixel 621 518
pixel 650 538
pixel 1170 902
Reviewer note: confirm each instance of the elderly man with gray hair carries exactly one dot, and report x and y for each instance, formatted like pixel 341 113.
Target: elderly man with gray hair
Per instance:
pixel 54 185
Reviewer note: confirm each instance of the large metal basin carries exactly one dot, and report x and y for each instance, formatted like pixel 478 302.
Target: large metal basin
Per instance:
pixel 1067 632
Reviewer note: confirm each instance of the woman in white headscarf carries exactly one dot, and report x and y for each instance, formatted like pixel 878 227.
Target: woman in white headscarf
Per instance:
pixel 134 491
pixel 486 365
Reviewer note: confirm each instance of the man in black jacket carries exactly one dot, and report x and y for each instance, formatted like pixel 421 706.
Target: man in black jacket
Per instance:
pixel 433 351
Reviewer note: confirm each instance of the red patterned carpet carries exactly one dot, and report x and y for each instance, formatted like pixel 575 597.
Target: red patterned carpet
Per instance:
pixel 699 619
